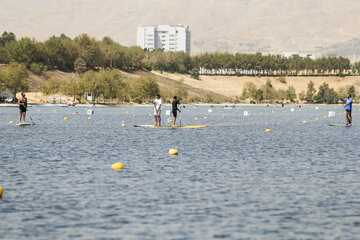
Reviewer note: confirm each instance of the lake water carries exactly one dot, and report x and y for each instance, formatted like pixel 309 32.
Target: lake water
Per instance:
pixel 232 180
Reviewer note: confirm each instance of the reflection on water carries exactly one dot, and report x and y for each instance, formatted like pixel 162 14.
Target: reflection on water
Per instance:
pixel 231 180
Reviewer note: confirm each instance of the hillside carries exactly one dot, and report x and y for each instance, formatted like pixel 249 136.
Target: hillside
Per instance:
pixel 35 81
pixel 229 25
pixel 230 86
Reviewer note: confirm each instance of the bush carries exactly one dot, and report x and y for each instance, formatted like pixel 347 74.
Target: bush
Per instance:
pixel 195 74
pixel 37 68
pixel 238 74
pixel 282 79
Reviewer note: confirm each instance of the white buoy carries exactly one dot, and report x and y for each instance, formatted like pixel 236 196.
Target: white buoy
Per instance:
pixel 331 114
pixel 210 110
pixel 292 109
pixel 246 113
pixel 90 112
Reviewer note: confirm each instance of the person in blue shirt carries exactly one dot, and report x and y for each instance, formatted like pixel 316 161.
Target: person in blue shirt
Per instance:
pixel 348 107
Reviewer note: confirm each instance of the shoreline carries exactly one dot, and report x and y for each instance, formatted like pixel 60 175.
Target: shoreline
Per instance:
pixel 129 105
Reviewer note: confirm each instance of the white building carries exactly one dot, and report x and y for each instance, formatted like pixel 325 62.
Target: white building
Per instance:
pixel 166 37
pixel 303 55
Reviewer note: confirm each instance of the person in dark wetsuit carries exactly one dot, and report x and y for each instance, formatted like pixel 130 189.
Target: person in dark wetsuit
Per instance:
pixel 23 107
pixel 175 108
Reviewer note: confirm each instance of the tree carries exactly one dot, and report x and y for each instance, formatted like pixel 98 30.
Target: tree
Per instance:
pixel 80 65
pixel 24 51
pixel 326 94
pixel 291 94
pixel 51 87
pixel 72 87
pixel 143 88
pixel 55 51
pixel 7 37
pixel 181 90
pixel 16 78
pixel 310 93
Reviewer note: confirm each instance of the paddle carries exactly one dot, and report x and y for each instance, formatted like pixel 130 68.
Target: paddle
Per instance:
pixel 30 118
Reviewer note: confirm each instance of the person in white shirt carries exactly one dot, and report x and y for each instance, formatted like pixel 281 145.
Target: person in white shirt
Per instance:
pixel 157 110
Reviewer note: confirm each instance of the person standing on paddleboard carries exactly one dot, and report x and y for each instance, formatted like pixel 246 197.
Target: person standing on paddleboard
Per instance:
pixel 175 108
pixel 23 107
pixel 157 110
pixel 348 107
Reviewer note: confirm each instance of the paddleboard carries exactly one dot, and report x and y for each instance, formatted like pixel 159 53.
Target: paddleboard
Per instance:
pixel 152 126
pixel 23 124
pixel 341 125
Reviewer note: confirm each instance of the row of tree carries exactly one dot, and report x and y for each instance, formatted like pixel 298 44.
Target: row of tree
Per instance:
pixel 85 53
pixel 110 86
pixel 267 93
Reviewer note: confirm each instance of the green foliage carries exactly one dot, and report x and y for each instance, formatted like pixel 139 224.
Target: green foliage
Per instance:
pixel 180 89
pixel 7 37
pixel 24 51
pixel 291 94
pixel 195 74
pixel 282 79
pixel 345 90
pixel 16 78
pixel 143 89
pixel 326 94
pixel 80 65
pixel 37 68
pixel 310 93
pixel 238 74
pixel 52 87
pixel 302 96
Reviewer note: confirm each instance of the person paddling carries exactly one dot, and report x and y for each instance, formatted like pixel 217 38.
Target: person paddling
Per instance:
pixel 22 106
pixel 157 110
pixel 348 107
pixel 175 108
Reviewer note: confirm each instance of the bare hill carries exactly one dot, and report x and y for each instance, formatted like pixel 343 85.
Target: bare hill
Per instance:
pixel 228 25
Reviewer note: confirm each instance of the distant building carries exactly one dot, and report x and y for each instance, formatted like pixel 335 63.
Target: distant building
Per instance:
pixel 166 37
pixel 303 55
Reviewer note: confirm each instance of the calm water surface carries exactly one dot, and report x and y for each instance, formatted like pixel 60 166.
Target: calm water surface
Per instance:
pixel 231 180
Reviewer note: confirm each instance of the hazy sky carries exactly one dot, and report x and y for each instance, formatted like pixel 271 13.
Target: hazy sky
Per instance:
pixel 226 25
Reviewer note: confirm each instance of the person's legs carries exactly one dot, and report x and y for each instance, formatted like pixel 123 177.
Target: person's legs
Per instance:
pixel 159 119
pixel 174 121
pixel 24 115
pixel 347 118
pixel 350 118
pixel 20 116
pixel 156 120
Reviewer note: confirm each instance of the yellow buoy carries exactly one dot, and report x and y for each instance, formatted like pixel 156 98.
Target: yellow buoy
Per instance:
pixel 54 110
pixel 223 115
pixel 325 116
pixel 38 110
pixel 134 115
pixel 317 119
pixel 196 119
pixel 65 118
pixel 127 112
pixel 89 118
pixel 173 152
pixel 305 122
pixel 1 192
pixel 123 124
pixel 268 130
pixel 117 166
pixel 74 114
pixel 11 122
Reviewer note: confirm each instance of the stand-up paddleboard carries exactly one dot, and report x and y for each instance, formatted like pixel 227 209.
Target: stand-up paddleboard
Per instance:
pixel 23 124
pixel 342 125
pixel 152 126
